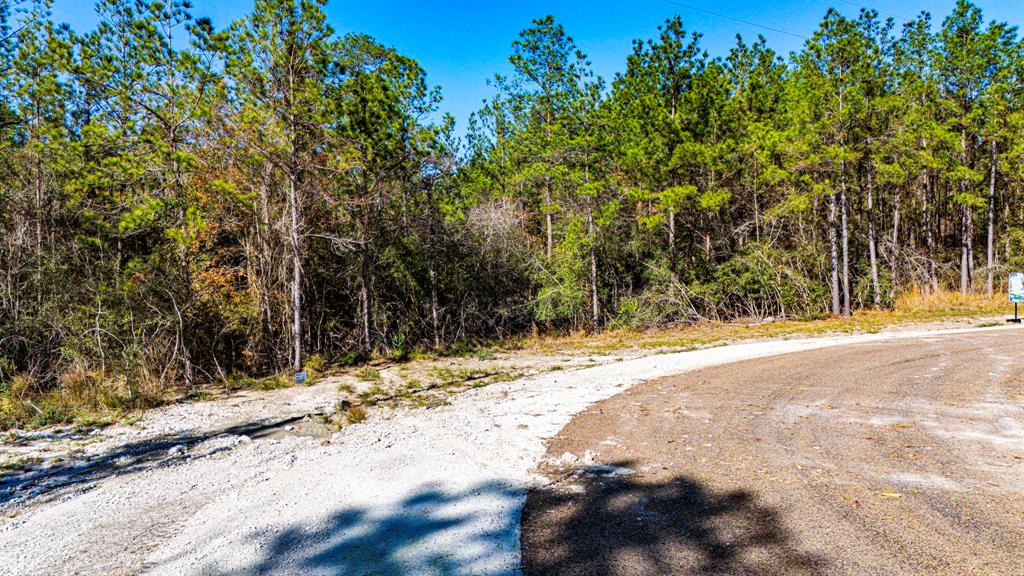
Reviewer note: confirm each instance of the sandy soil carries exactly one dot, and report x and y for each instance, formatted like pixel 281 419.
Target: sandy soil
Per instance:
pixel 902 457
pixel 246 485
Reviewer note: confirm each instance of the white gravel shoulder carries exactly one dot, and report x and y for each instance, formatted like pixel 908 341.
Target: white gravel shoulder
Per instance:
pixel 416 492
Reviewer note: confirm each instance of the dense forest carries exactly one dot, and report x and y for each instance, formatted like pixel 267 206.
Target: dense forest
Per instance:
pixel 181 204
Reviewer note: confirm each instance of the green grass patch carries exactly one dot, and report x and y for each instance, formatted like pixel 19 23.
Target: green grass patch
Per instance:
pixel 243 382
pixel 372 395
pixel 22 464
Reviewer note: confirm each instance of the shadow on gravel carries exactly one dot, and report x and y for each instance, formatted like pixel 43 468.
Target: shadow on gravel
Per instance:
pixel 613 525
pixel 430 532
pixel 40 483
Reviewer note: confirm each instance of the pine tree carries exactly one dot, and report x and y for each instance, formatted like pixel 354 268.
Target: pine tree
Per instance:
pixel 276 60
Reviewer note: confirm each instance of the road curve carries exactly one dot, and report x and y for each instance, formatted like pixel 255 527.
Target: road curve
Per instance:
pixel 890 457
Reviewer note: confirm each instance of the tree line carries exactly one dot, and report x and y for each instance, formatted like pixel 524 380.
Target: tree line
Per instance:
pixel 181 204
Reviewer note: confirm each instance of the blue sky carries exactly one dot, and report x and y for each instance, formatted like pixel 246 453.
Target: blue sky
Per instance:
pixel 462 44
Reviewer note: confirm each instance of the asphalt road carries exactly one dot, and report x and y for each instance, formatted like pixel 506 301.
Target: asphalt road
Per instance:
pixel 890 458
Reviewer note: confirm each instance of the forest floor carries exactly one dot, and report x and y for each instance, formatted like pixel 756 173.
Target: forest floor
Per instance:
pixel 419 467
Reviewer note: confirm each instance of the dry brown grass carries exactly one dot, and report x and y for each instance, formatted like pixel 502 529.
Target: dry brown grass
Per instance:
pixel 355 415
pixel 84 397
pixel 949 302
pixel 911 308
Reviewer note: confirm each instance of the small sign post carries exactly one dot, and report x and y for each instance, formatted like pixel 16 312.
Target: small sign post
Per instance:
pixel 1016 294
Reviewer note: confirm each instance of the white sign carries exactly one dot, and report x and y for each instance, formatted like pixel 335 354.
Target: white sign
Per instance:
pixel 1016 286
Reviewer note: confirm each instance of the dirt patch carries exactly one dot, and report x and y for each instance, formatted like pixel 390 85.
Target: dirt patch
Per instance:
pixel 853 460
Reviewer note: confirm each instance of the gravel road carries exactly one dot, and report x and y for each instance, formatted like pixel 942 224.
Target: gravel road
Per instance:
pixel 900 457
pixel 217 488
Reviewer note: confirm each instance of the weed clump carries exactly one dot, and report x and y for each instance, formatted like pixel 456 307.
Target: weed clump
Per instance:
pixel 346 412
pixel 355 415
pixel 369 374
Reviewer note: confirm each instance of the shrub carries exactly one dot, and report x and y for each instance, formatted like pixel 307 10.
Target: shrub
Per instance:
pixel 758 281
pixel 665 301
pixel 314 366
pixel 863 289
pixel 564 283
pixel 762 281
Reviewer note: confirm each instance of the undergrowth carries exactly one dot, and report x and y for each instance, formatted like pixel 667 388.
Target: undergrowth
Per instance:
pixel 90 398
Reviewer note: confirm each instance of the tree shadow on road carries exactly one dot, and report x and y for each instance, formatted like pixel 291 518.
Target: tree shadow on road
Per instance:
pixel 596 523
pixel 39 484
pixel 430 532
pixel 616 526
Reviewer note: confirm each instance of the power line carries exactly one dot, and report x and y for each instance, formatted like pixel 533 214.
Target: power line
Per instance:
pixel 740 20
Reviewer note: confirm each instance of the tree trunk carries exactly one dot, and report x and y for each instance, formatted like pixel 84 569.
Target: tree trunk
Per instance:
pixel 547 219
pixel 435 322
pixel 757 216
pixel 671 233
pixel 833 253
pixel 594 310
pixel 929 238
pixel 264 261
pixel 965 225
pixel 964 249
pixel 846 244
pixel 366 298
pixel 842 211
pixel 894 259
pixel 872 242
pixel 180 344
pixel 990 252
pixel 296 287
pixel 39 210
pixel 970 250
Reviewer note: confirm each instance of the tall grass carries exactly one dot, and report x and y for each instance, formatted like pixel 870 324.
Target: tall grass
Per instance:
pixel 916 301
pixel 81 397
